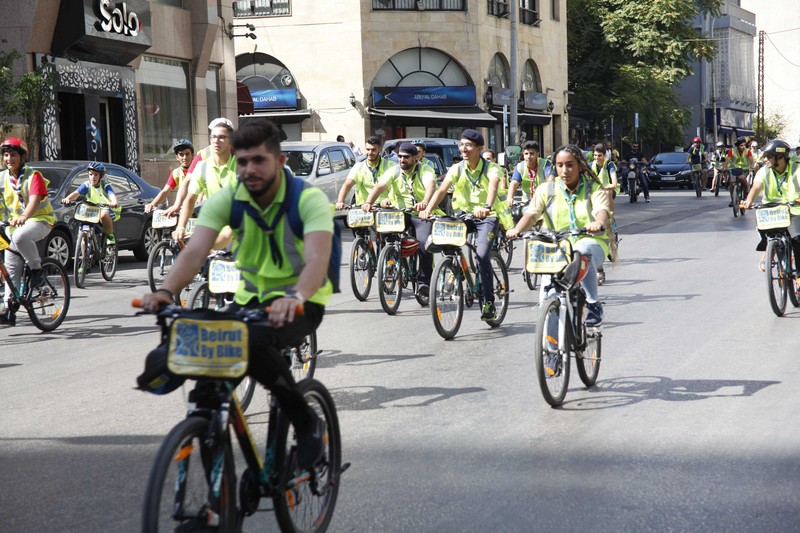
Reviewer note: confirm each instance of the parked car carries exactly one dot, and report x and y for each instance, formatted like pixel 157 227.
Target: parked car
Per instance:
pixel 323 164
pixel 669 169
pixel 133 230
pixel 444 148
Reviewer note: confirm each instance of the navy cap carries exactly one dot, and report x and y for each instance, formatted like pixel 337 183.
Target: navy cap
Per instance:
pixel 472 135
pixel 408 148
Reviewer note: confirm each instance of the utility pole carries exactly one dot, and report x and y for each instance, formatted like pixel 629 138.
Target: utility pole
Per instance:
pixel 513 60
pixel 760 109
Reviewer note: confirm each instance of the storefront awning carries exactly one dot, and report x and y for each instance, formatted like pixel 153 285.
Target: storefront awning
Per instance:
pixel 280 116
pixel 526 117
pixel 745 133
pixel 462 116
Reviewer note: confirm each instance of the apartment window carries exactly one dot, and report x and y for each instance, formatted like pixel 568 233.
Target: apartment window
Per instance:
pixel 419 5
pixel 262 8
pixel 555 9
pixel 213 103
pixel 166 105
pixel 529 12
pixel 498 8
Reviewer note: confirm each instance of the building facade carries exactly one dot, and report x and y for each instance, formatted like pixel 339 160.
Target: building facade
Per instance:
pixel 722 93
pixel 128 78
pixel 404 68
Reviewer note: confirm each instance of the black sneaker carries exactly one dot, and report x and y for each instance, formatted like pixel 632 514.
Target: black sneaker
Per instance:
pixel 311 445
pixel 8 318
pixel 37 278
pixel 594 315
pixel 488 312
pixel 423 295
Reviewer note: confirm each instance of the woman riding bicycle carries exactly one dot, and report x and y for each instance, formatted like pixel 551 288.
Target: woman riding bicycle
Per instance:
pixel 576 200
pixel 780 182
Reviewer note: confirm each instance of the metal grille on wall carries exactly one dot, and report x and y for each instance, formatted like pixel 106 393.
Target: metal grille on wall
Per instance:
pixel 419 5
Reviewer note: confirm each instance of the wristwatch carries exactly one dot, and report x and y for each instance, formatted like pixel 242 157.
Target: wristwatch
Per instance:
pixel 291 293
pixel 487 206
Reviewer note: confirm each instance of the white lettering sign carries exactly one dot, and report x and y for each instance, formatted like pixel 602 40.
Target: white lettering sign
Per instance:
pixel 118 19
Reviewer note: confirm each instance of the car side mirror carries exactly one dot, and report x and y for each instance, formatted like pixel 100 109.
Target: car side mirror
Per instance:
pixel 323 171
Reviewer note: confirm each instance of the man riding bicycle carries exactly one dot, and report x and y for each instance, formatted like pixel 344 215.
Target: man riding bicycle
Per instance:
pixel 697 156
pixel 718 157
pixel 529 173
pixel 365 174
pixel 279 269
pixel 30 216
pixel 740 162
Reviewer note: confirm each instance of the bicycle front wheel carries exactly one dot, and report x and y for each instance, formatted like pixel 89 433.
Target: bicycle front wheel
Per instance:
pixel 499 288
pixel 202 298
pixel 790 273
pixel 447 298
pixel 505 247
pixel 531 280
pixel 776 280
pixel 49 303
pixel 361 269
pixel 735 200
pixel 698 185
pixel 390 279
pixel 589 360
pixel 159 262
pixel 552 360
pixel 305 501
pixel 177 497
pixel 245 391
pixel 108 264
pixel 82 261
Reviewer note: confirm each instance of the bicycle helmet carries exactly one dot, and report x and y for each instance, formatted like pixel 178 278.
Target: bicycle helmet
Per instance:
pixel 13 143
pixel 777 148
pixel 741 140
pixel 720 144
pixel 182 144
pixel 419 142
pixel 634 161
pixel 408 247
pixel 697 140
pixel 97 166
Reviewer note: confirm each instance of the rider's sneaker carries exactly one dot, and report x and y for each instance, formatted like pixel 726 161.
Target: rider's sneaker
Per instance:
pixel 601 277
pixel 311 445
pixel 111 240
pixel 8 318
pixel 488 312
pixel 423 294
pixel 594 314
pixel 37 278
pixel 730 204
pixel 647 199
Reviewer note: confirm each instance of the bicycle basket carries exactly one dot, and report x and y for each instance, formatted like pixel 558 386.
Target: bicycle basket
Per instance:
pixel 208 348
pixel 87 213
pixel 223 276
pixel 544 256
pixel 449 232
pixel 408 246
pixel 358 218
pixel 773 217
pixel 390 222
pixel 160 221
pixel 190 225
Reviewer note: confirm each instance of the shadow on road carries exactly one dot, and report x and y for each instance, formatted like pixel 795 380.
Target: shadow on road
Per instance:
pixel 368 398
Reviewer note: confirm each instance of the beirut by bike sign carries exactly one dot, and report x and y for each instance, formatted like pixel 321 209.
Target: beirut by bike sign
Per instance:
pixel 118 18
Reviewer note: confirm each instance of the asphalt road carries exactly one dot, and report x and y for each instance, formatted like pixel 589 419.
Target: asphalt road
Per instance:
pixel 693 424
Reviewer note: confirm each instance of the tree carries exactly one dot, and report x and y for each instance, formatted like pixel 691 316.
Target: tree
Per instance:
pixel 33 91
pixel 8 104
pixel 773 129
pixel 625 56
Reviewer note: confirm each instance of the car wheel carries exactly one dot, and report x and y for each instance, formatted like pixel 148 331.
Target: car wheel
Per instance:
pixel 58 246
pixel 149 240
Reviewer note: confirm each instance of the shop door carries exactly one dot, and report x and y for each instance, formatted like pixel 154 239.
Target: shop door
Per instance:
pixel 72 125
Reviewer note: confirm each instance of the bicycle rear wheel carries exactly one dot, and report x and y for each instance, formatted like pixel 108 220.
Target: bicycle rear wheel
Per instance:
pixel 390 279
pixel 82 259
pixel 305 501
pixel 361 269
pixel 500 288
pixel 202 298
pixel 159 262
pixel 447 298
pixel 304 358
pixel 552 360
pixel 791 274
pixel 735 199
pixel 245 391
pixel 531 280
pixel 179 484
pixel 589 361
pixel 776 280
pixel 49 303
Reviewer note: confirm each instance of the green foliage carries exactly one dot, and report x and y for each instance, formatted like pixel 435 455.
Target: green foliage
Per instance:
pixel 8 104
pixel 773 129
pixel 34 91
pixel 625 56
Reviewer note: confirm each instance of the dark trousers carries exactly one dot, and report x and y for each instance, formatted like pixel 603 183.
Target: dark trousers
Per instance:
pixel 486 229
pixel 422 230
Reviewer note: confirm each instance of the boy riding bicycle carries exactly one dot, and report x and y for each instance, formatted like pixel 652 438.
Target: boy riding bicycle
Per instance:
pixel 97 191
pixel 278 269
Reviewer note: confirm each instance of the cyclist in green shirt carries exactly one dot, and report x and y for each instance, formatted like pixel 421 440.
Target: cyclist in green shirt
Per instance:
pixel 365 175
pixel 279 269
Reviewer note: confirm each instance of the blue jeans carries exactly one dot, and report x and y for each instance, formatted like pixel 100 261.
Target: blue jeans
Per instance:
pixel 589 283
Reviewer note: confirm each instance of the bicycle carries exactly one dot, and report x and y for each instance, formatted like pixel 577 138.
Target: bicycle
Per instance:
pixel 90 246
pixel 398 262
pixel 364 256
pixel 47 305
pixel 165 252
pixel 721 181
pixel 774 220
pixel 560 329
pixel 738 193
pixel 192 483
pixel 448 297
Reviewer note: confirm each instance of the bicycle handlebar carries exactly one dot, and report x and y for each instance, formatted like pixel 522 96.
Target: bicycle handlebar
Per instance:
pixel 250 314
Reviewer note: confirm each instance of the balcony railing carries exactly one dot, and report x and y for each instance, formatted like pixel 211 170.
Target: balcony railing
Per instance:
pixel 419 5
pixel 262 8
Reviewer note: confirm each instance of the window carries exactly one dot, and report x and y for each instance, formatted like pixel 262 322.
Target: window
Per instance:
pixel 176 3
pixel 419 5
pixel 529 12
pixel 212 93
pixel 166 106
pixel 555 9
pixel 118 181
pixel 338 162
pixel 262 8
pixel 498 8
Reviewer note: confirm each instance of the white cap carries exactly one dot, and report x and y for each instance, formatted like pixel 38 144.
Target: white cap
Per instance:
pixel 220 122
pixel 720 143
pixel 753 143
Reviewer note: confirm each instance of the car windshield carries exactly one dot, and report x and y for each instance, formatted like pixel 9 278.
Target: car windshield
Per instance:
pixel 301 163
pixel 673 158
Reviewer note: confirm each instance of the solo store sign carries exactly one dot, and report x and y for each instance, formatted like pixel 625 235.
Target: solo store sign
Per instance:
pixel 117 18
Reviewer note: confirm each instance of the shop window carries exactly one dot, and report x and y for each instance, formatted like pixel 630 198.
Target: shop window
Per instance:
pixel 166 107
pixel 262 8
pixel 213 103
pixel 419 5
